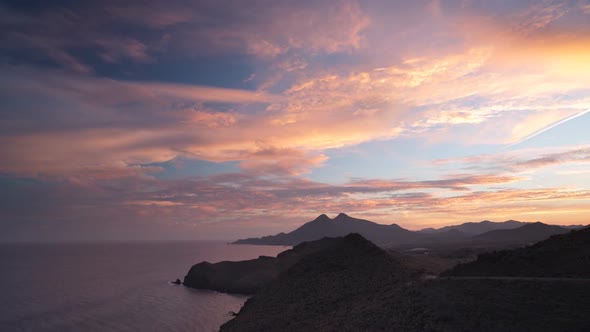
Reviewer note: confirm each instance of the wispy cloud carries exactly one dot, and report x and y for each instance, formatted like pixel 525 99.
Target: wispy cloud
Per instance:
pixel 572 156
pixel 522 160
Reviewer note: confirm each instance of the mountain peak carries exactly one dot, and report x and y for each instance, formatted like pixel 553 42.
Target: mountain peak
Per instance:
pixel 341 216
pixel 323 217
pixel 536 224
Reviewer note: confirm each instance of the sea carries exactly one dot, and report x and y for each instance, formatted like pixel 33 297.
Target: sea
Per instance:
pixel 114 286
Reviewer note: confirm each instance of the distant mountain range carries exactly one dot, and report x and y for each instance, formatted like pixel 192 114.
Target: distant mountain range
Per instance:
pixel 532 232
pixel 510 231
pixel 475 228
pixel 342 225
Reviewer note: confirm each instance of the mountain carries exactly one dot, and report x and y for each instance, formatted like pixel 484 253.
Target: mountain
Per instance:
pixel 572 227
pixel 342 225
pixel 524 234
pixel 247 277
pixel 564 255
pixel 394 235
pixel 331 290
pixel 475 228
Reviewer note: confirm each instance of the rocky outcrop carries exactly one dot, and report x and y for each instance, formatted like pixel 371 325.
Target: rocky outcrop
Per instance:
pixel 244 277
pixel 332 289
pixel 247 277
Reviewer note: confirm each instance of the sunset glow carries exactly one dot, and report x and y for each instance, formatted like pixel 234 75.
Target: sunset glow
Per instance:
pixel 227 119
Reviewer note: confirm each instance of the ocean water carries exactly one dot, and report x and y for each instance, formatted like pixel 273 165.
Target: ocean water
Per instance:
pixel 114 286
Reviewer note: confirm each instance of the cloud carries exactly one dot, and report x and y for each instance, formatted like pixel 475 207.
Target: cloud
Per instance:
pixel 115 50
pixel 97 121
pixel 269 29
pixel 437 87
pixel 453 183
pixel 152 14
pixel 523 160
pixel 175 30
pixel 86 114
pixel 270 161
pixel 212 119
pixel 538 16
pixel 243 199
pixel 572 156
pixel 104 121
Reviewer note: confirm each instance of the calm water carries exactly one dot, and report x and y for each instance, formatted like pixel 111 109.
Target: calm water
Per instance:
pixel 113 286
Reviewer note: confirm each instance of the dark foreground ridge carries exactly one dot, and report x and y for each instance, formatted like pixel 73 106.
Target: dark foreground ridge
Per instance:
pixel 333 289
pixel 355 286
pixel 566 255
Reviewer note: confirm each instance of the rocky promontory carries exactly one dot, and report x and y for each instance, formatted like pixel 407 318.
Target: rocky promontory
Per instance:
pixel 247 277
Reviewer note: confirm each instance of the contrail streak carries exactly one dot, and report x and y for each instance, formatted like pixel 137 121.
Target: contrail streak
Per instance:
pixel 548 128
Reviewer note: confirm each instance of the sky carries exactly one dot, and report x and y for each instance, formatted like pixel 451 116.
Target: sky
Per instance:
pixel 221 119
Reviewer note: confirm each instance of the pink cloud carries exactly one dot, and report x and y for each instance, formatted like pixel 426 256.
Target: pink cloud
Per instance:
pixel 272 161
pixel 115 50
pixel 522 160
pixel 573 156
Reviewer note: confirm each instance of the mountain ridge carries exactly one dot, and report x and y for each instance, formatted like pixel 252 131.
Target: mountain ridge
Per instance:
pixel 530 232
pixel 393 234
pixel 475 228
pixel 341 225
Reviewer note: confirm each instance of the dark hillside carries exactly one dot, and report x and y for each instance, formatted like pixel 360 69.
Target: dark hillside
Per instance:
pixel 355 286
pixel 565 255
pixel 247 277
pixel 339 288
